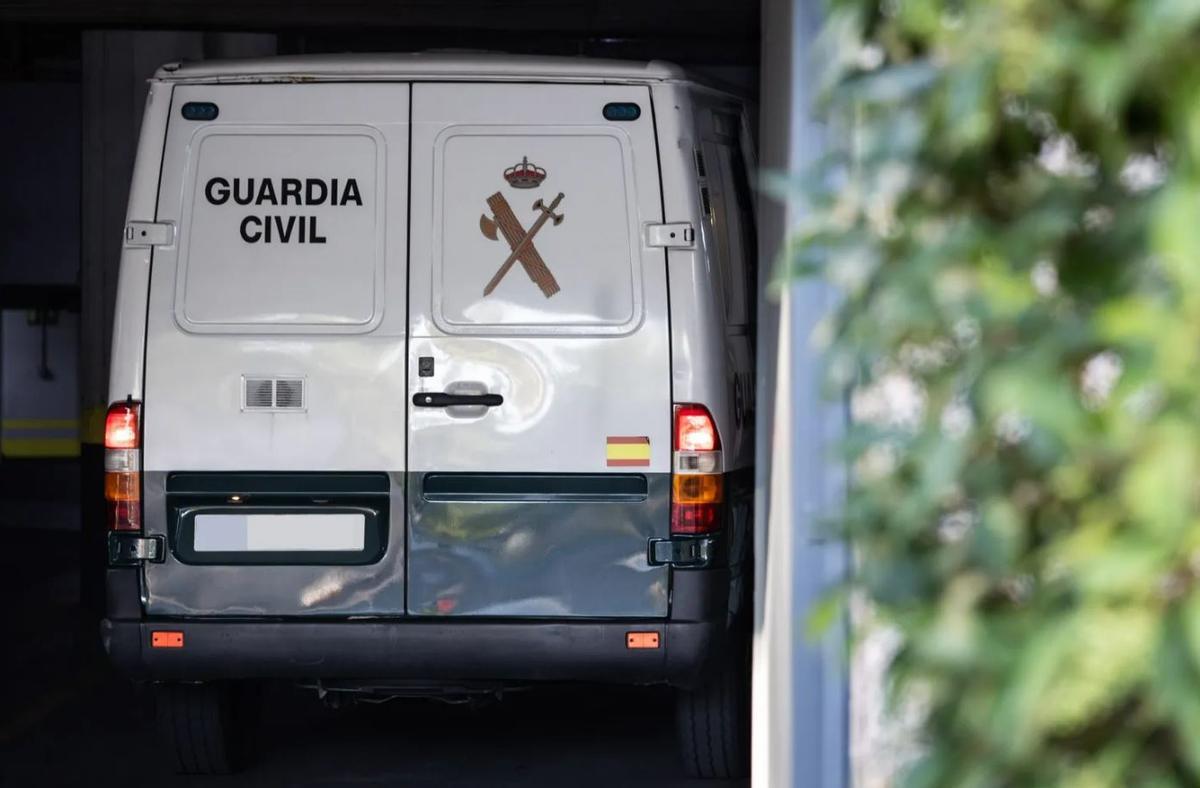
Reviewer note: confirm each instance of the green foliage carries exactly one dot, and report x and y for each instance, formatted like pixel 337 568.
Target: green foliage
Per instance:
pixel 1011 206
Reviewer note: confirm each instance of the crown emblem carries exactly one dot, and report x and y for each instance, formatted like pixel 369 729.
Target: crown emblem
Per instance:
pixel 525 175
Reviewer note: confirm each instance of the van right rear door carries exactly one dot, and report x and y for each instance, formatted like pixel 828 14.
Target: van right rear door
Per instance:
pixel 538 364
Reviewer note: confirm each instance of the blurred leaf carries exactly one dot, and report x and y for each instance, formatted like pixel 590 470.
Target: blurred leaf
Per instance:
pixel 1011 196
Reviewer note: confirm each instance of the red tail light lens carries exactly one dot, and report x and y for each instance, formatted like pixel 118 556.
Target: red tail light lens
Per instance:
pixel 121 426
pixel 123 467
pixel 695 518
pixel 695 429
pixel 125 515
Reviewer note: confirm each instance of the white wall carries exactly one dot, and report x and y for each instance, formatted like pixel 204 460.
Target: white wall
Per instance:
pixel 800 689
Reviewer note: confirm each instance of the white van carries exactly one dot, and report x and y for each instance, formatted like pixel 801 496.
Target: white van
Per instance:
pixel 433 374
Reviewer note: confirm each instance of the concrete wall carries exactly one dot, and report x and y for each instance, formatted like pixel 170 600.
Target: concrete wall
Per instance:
pixel 39 197
pixel 39 247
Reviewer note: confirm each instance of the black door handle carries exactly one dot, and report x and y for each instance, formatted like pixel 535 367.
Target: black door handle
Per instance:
pixel 438 399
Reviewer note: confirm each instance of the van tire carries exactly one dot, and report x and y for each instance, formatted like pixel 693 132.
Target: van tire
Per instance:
pixel 713 722
pixel 201 727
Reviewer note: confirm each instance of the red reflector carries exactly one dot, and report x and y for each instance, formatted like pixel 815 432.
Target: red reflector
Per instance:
pixel 695 518
pixel 121 426
pixel 695 429
pixel 166 639
pixel 124 515
pixel 641 640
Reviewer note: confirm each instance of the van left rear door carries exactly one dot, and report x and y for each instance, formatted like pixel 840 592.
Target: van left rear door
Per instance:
pixel 274 413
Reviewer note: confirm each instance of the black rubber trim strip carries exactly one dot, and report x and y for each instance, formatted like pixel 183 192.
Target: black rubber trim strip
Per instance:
pixel 438 487
pixel 281 483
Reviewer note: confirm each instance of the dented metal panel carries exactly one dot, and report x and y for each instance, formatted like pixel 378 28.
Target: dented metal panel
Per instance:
pixel 545 545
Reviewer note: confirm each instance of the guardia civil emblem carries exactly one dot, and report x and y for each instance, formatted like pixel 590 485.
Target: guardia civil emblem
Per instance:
pixel 503 221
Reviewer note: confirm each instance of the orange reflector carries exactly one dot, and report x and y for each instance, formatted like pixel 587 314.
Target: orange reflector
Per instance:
pixel 641 640
pixel 122 486
pixel 166 639
pixel 698 488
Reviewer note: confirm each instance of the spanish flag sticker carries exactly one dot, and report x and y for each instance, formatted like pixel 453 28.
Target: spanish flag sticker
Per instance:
pixel 626 451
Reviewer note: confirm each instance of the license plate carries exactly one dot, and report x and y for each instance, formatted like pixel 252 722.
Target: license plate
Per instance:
pixel 253 533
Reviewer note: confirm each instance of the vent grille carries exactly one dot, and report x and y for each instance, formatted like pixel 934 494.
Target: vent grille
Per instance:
pixel 259 393
pixel 289 394
pixel 273 393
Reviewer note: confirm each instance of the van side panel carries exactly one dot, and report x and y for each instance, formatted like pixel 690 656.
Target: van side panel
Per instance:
pixel 133 279
pixel 711 344
pixel 699 364
pixel 727 232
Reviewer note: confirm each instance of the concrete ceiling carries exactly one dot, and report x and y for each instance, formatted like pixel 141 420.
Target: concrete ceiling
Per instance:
pixel 672 17
pixel 39 39
pixel 715 31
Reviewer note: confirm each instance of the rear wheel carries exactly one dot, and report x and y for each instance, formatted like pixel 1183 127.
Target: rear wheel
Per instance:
pixel 714 723
pixel 205 727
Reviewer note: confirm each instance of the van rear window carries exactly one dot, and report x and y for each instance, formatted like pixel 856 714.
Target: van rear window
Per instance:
pixel 282 230
pixel 535 230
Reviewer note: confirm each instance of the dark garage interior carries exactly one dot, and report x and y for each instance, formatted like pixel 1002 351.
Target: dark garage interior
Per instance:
pixel 72 83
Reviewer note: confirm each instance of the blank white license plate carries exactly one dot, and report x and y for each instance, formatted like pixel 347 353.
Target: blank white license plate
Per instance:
pixel 252 533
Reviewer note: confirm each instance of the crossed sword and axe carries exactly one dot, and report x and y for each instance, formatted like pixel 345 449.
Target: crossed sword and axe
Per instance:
pixel 520 241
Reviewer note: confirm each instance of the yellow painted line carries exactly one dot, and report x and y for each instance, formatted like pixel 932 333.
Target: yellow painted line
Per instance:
pixel 39 447
pixel 39 424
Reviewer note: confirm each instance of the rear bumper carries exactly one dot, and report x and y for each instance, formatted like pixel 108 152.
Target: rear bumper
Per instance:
pixel 428 650
pixel 415 650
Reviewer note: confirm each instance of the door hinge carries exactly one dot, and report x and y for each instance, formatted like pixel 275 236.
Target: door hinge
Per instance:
pixel 130 549
pixel 675 235
pixel 142 235
pixel 682 551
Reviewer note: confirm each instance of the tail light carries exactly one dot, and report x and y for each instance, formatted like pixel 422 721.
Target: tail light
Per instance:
pixel 697 486
pixel 123 467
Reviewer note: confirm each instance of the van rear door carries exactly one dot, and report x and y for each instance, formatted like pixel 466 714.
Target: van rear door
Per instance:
pixel 539 369
pixel 274 413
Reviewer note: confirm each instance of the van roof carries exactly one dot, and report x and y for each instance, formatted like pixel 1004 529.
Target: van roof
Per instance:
pixel 421 66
